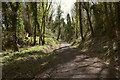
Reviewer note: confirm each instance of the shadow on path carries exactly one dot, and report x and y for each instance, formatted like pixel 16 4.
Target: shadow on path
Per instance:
pixel 70 62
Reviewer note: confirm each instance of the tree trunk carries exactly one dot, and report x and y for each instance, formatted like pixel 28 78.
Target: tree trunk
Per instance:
pixel 76 19
pixel 14 24
pixel 58 33
pixel 108 27
pixel 40 36
pixel 80 19
pixel 29 20
pixel 91 28
pixel 43 25
pixel 35 19
pixel 34 35
pixel 43 40
pixel 76 36
pixel 39 32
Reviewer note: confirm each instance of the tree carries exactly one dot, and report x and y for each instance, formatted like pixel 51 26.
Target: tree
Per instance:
pixel 34 8
pixel 86 7
pixel 45 12
pixel 76 19
pixel 69 28
pixel 58 21
pixel 14 8
pixel 98 19
pixel 80 19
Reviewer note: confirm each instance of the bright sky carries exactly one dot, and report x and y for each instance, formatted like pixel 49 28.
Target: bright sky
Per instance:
pixel 66 6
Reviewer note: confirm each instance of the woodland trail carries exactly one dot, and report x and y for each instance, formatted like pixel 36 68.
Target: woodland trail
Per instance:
pixel 71 62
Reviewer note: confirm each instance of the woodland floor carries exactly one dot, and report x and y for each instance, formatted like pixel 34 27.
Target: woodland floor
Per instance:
pixel 68 62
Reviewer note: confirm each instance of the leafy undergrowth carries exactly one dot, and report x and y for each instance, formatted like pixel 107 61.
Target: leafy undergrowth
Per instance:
pixel 27 62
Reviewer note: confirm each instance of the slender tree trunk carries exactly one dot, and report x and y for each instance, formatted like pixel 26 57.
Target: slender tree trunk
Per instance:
pixel 58 33
pixel 35 19
pixel 29 19
pixel 40 36
pixel 108 27
pixel 76 36
pixel 80 19
pixel 14 21
pixel 76 19
pixel 39 31
pixel 91 28
pixel 43 40
pixel 59 29
pixel 39 27
pixel 112 19
pixel 34 35
pixel 43 25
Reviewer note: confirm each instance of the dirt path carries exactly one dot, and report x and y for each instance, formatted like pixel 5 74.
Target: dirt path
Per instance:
pixel 70 62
